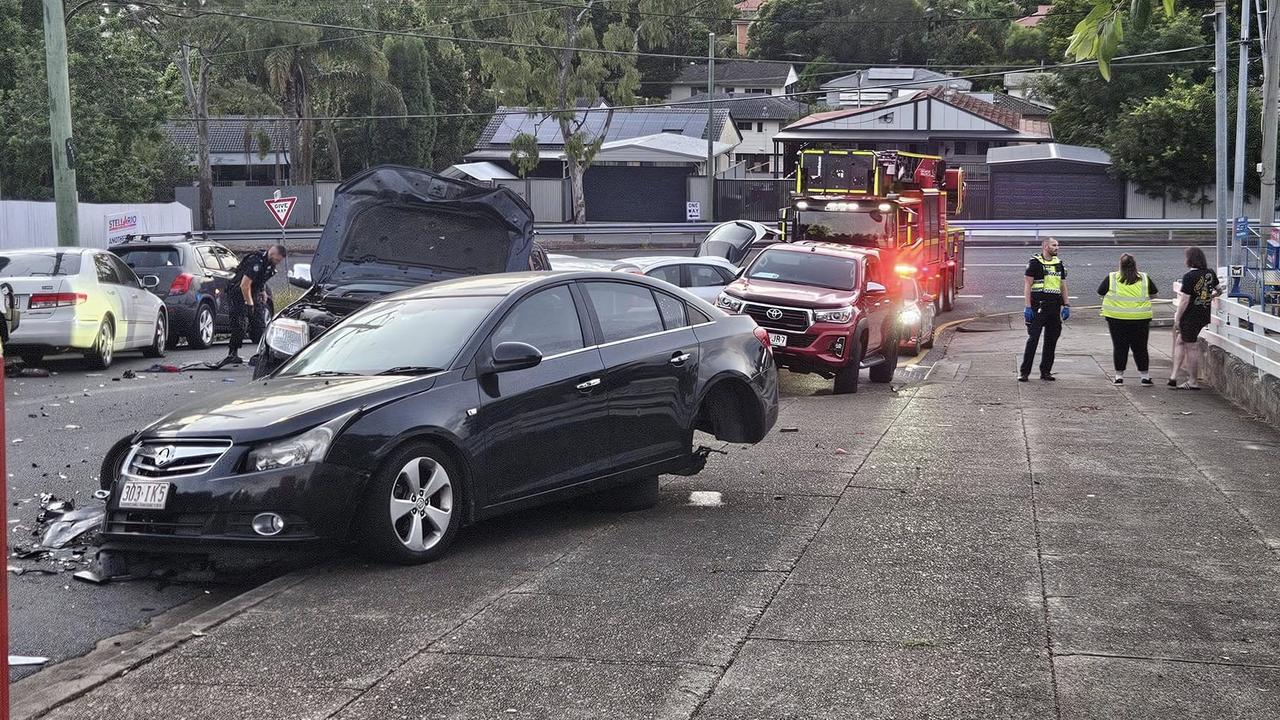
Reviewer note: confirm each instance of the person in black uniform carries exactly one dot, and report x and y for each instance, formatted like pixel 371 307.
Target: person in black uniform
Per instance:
pixel 248 296
pixel 1047 307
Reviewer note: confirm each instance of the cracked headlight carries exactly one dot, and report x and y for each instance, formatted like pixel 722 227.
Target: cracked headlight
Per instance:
pixel 307 447
pixel 286 336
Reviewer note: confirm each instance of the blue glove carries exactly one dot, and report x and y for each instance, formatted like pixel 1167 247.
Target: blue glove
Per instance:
pixel 1028 315
pixel 1066 313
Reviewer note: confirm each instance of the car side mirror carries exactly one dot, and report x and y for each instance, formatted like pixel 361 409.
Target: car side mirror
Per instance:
pixel 300 275
pixel 150 281
pixel 875 288
pixel 509 356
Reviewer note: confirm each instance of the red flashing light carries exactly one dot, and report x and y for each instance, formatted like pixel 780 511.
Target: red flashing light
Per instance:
pixel 182 284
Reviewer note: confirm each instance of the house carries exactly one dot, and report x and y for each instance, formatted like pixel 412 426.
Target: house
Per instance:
pixel 747 12
pixel 242 150
pixel 758 118
pixel 938 121
pixel 877 85
pixel 1032 20
pixel 739 77
pixel 643 168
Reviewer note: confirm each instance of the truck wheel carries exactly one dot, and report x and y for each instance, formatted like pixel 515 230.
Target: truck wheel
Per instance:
pixel 847 377
pixel 883 372
pixel 948 293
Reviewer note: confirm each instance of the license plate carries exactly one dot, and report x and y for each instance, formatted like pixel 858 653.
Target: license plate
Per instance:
pixel 777 340
pixel 144 495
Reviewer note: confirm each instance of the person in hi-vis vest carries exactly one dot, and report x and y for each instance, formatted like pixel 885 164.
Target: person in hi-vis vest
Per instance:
pixel 1126 304
pixel 1045 292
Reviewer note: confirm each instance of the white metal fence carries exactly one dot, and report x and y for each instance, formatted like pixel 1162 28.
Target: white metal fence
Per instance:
pixel 1248 333
pixel 29 224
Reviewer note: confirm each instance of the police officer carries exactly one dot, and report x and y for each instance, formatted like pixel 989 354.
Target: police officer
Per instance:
pixel 248 296
pixel 1047 307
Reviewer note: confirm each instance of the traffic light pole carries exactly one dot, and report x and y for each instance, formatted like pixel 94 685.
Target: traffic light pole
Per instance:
pixel 64 171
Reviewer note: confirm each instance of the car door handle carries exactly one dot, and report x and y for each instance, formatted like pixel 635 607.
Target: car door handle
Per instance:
pixel 589 384
pixel 679 358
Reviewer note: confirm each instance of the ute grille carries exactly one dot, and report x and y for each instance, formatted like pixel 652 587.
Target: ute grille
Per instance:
pixel 783 318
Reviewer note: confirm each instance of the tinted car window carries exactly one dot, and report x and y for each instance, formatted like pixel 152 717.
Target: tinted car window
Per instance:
pixel 625 311
pixel 106 271
pixel 50 263
pixel 804 268
pixel 149 257
pixel 666 273
pixel 208 258
pixel 126 275
pixel 728 241
pixel 672 310
pixel 373 339
pixel 707 276
pixel 546 320
pixel 228 258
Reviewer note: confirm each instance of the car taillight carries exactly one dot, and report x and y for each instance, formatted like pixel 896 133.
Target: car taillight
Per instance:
pixel 763 336
pixel 181 284
pixel 42 301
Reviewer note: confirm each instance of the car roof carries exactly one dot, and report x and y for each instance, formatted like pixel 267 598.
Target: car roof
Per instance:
pixel 501 284
pixel 825 249
pixel 51 251
pixel 651 261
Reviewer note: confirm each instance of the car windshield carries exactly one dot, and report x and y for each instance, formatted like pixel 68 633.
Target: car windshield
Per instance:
pixel 407 336
pixel 868 229
pixel 806 268
pixel 50 263
pixel 149 257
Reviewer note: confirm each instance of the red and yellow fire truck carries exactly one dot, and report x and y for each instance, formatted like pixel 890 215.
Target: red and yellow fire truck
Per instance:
pixel 895 201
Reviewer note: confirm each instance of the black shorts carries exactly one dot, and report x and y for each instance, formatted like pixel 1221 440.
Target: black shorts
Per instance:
pixel 1190 326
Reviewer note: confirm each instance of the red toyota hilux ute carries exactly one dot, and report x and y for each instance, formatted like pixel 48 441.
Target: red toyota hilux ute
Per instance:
pixel 829 309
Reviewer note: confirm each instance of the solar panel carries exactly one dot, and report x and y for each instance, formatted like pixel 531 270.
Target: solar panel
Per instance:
pixel 891 74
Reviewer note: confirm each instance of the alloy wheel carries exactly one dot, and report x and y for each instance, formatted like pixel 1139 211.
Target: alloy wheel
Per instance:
pixel 106 343
pixel 204 319
pixel 421 503
pixel 162 333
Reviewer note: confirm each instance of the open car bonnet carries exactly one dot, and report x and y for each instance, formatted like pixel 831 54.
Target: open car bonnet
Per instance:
pixel 398 226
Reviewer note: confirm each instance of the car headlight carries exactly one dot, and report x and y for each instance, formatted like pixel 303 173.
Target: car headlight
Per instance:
pixel 725 301
pixel 307 447
pixel 286 336
pixel 839 315
pixel 910 316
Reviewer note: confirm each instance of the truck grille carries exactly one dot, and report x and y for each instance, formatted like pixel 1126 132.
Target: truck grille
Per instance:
pixel 789 319
pixel 158 459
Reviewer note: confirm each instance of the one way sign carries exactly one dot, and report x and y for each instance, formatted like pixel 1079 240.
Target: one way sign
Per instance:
pixel 281 208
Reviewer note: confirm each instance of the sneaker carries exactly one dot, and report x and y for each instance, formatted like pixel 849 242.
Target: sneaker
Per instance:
pixel 1189 386
pixel 1047 377
pixel 1172 383
pixel 1024 378
pixel 1146 381
pixel 1118 380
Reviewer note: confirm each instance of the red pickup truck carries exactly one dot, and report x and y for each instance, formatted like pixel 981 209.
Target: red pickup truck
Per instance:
pixel 829 309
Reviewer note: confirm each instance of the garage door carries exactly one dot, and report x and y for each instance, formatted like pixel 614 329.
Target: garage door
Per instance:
pixel 1039 196
pixel 618 193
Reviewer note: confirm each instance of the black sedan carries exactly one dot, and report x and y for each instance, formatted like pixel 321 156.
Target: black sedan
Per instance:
pixel 447 404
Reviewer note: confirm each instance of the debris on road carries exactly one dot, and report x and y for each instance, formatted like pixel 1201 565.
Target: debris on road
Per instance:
pixel 129 375
pixel 159 368
pixel 23 660
pixel 789 429
pixel 72 525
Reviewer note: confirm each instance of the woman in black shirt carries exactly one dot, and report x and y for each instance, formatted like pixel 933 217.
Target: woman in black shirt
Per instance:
pixel 1195 300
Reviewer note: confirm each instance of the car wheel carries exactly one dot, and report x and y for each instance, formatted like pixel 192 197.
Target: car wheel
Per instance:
pixel 31 358
pixel 847 376
pixel 413 506
pixel 201 335
pixel 639 495
pixel 883 371
pixel 113 463
pixel 103 350
pixel 948 293
pixel 158 342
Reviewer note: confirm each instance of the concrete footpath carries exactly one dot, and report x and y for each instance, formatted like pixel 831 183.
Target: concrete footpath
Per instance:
pixel 962 547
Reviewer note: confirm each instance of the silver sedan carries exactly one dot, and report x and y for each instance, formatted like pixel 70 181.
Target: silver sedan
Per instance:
pixel 81 300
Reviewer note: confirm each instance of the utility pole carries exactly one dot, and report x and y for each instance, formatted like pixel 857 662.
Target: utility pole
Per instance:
pixel 711 141
pixel 1242 124
pixel 1271 65
pixel 1220 127
pixel 64 159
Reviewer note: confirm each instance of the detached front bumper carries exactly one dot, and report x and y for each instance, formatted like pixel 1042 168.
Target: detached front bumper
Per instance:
pixel 317 502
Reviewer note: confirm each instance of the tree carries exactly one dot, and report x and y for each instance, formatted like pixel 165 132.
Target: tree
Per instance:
pixel 552 64
pixel 1163 144
pixel 1099 34
pixel 874 32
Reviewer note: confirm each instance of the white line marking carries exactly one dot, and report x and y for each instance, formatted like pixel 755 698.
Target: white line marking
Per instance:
pixel 995 265
pixel 1019 297
pixel 968 296
pixel 705 498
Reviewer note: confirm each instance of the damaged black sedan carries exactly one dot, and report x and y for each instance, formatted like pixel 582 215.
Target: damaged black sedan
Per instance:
pixel 447 404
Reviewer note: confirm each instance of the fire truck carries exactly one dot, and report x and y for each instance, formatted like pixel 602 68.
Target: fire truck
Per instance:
pixel 895 201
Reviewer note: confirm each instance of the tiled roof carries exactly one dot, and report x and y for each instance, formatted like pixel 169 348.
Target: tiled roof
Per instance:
pixel 981 108
pixel 756 107
pixel 227 134
pixel 1034 18
pixel 629 123
pixel 736 71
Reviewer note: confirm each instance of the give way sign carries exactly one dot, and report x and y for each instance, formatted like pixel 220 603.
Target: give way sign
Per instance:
pixel 281 208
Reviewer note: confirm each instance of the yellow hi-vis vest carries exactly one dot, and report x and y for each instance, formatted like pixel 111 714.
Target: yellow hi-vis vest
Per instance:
pixel 1052 280
pixel 1127 302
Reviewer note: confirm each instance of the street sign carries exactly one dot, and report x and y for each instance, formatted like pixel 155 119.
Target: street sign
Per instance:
pixel 692 210
pixel 281 209
pixel 1242 228
pixel 1237 271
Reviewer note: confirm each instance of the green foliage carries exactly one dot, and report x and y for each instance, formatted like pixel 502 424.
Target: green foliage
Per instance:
pixel 890 31
pixel 1099 34
pixel 1164 145
pixel 524 153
